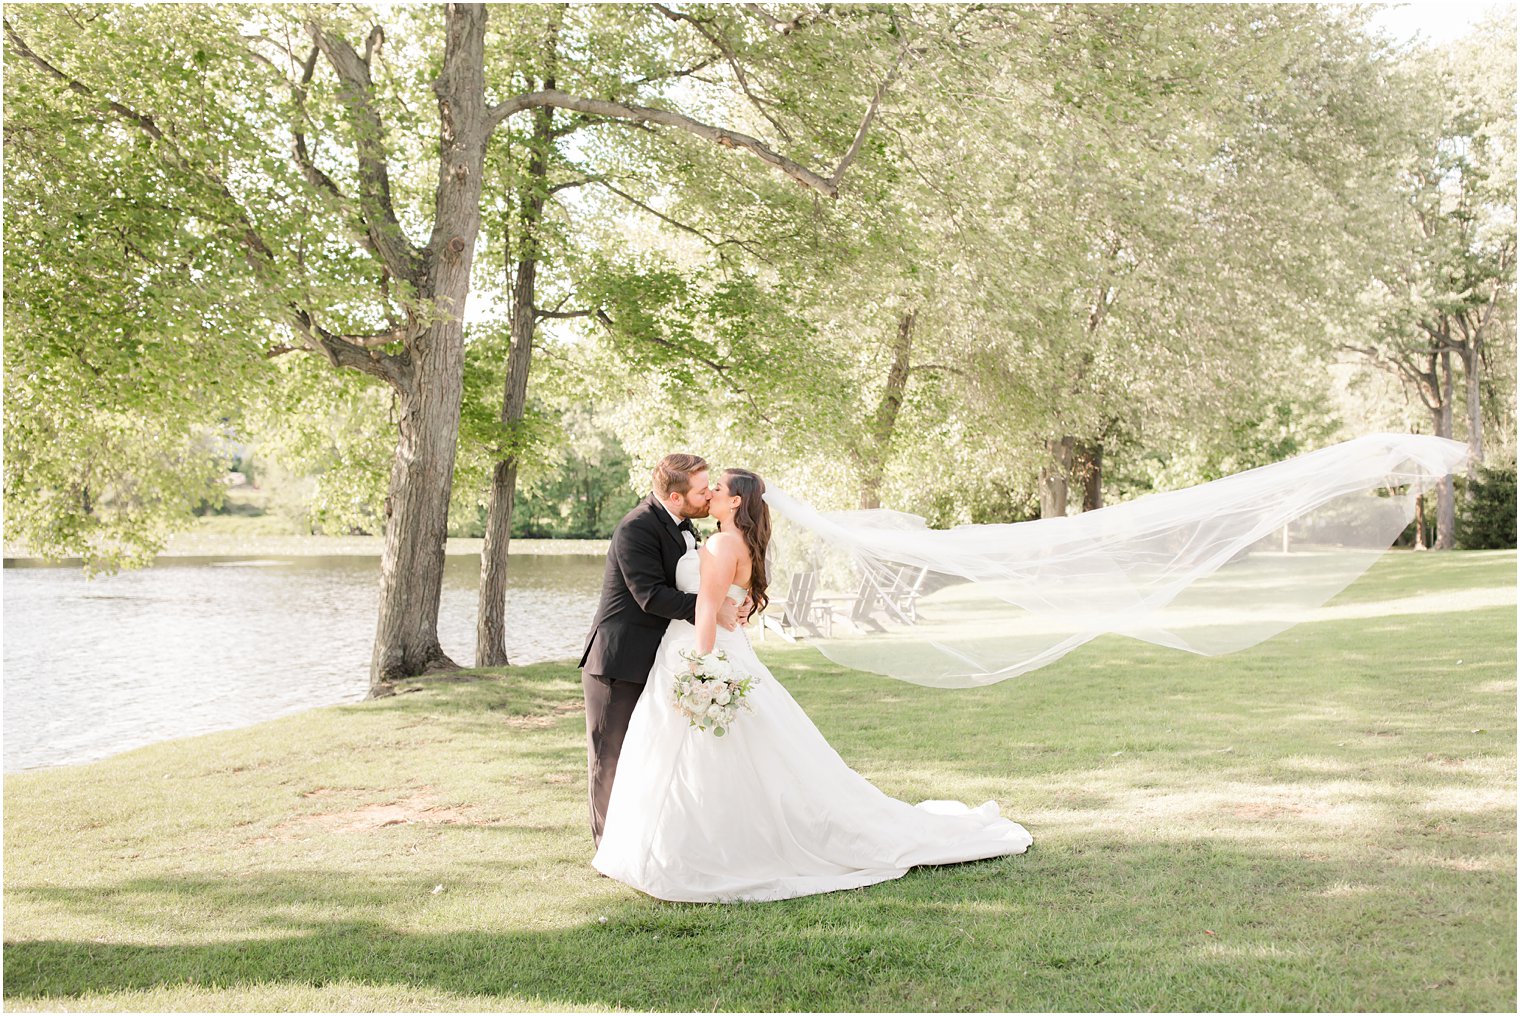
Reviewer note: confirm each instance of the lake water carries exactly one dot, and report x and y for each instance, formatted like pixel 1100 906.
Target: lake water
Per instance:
pixel 191 645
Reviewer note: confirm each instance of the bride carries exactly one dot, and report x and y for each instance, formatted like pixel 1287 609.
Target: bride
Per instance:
pixel 769 811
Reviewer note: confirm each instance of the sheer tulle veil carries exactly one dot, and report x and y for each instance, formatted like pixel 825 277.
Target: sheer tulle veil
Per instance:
pixel 1210 569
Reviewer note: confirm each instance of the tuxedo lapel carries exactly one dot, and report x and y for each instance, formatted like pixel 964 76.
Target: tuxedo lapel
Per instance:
pixel 667 523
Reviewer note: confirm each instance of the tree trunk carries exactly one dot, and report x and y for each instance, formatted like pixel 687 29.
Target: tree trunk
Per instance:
pixel 1087 471
pixel 1472 362
pixel 1446 514
pixel 873 458
pixel 490 621
pixel 490 627
pixel 1053 477
pixel 417 507
pixel 1419 523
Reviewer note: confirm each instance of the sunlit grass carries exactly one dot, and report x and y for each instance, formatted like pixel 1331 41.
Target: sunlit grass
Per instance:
pixel 1325 821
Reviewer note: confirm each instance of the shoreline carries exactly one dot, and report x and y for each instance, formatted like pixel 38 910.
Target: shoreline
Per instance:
pixel 467 675
pixel 222 545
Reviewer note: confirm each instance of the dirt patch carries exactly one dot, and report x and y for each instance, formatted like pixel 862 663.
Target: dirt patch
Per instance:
pixel 385 689
pixel 540 721
pixel 417 806
pixel 1471 864
pixel 1261 811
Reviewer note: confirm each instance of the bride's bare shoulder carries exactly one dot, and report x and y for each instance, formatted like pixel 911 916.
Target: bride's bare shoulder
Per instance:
pixel 724 544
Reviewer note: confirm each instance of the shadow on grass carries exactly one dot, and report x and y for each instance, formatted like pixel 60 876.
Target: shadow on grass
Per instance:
pixel 1324 823
pixel 1105 925
pixel 516 691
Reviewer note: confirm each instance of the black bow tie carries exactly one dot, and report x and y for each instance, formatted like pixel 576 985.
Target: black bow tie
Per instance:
pixel 686 525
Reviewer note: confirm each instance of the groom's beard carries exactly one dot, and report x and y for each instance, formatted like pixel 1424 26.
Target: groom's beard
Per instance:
pixel 700 511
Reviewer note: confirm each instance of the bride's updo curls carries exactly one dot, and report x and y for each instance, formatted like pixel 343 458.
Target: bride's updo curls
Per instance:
pixel 753 518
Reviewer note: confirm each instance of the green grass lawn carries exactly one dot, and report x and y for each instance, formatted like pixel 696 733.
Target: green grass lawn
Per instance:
pixel 1326 821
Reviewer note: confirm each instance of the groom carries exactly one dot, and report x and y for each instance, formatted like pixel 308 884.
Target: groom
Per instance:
pixel 639 600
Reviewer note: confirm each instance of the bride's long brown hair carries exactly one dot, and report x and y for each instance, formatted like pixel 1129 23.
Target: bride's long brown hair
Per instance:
pixel 753 519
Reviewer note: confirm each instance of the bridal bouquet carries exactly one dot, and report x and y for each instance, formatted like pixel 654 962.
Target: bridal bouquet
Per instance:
pixel 711 693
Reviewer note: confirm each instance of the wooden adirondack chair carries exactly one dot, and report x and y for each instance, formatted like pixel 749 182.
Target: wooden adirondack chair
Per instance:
pixel 801 613
pixel 902 592
pixel 892 592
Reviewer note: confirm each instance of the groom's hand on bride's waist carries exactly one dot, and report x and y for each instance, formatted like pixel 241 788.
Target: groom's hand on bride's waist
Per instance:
pixel 728 614
pixel 744 610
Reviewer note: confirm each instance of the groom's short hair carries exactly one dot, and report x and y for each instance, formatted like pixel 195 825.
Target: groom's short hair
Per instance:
pixel 673 474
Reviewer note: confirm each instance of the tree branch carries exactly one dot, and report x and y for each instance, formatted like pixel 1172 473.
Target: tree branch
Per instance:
pixel 668 75
pixel 256 251
pixel 628 111
pixel 715 244
pixel 865 123
pixel 145 122
pixel 733 63
pixel 301 155
pixel 789 26
pixel 720 368
pixel 340 352
pixel 357 94
pixel 1399 365
pixel 343 351
pixel 575 124
pixel 318 178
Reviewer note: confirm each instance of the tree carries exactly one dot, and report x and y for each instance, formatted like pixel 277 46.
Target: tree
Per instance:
pixel 1448 284
pixel 633 73
pixel 1086 229
pixel 225 135
pixel 229 162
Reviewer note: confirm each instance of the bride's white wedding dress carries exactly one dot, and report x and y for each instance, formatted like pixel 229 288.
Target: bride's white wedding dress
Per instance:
pixel 769 811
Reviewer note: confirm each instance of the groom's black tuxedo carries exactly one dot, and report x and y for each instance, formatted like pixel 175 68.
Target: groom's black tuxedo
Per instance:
pixel 639 595
pixel 639 600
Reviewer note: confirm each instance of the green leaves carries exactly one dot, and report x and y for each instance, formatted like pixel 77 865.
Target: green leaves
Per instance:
pixel 1141 222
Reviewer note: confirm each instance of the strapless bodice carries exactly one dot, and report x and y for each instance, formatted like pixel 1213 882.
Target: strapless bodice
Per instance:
pixel 689 577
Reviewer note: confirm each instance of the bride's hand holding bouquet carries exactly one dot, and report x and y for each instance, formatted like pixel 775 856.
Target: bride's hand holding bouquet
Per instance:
pixel 711 692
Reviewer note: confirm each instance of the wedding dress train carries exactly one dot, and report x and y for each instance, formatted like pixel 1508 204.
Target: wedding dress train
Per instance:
pixel 769 811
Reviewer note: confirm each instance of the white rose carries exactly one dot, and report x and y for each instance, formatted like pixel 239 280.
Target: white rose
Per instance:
pixel 722 697
pixel 715 711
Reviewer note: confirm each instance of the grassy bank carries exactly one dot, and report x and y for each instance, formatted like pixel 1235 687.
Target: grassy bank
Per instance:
pixel 1323 822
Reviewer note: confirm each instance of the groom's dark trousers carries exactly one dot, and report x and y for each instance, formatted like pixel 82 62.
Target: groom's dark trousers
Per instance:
pixel 639 600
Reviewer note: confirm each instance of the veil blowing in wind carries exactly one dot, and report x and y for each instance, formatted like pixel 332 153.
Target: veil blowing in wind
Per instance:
pixel 1210 569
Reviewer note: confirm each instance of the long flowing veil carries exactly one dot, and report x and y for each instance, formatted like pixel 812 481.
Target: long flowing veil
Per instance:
pixel 1210 569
